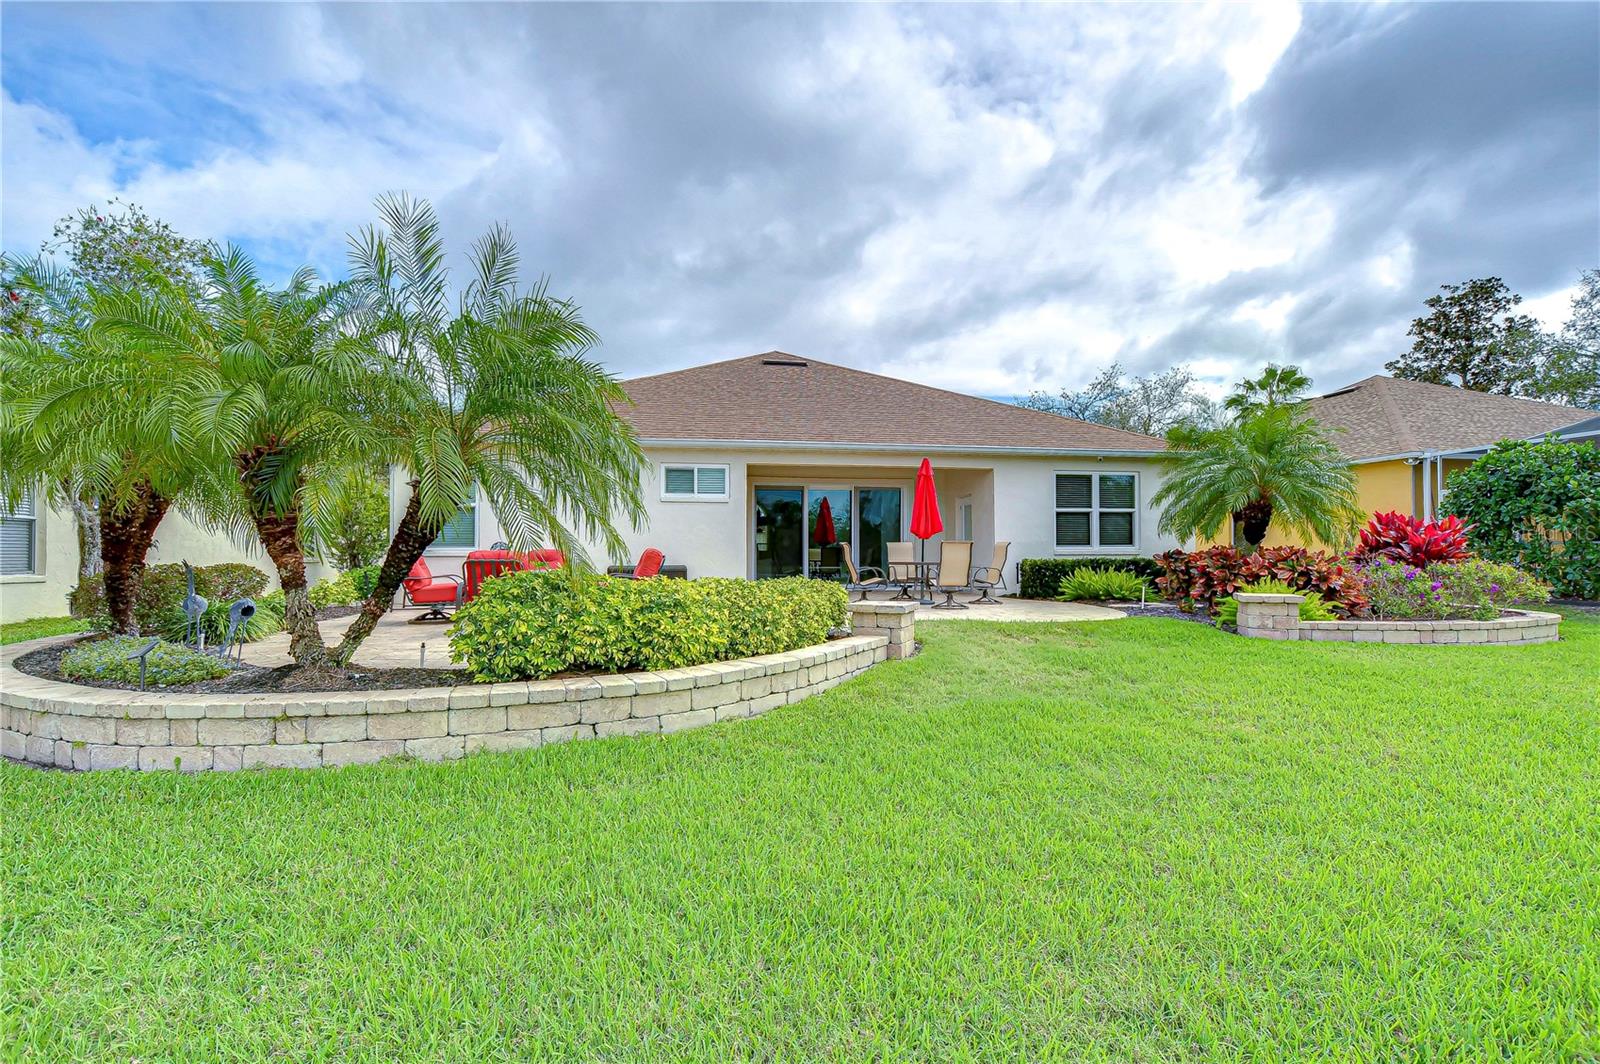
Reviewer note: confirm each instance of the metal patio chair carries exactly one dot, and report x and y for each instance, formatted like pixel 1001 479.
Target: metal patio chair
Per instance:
pixel 988 577
pixel 955 569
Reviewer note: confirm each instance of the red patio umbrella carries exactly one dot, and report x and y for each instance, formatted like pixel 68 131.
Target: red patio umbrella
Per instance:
pixel 925 521
pixel 823 534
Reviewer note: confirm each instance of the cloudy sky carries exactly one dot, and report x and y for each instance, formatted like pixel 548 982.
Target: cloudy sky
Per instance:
pixel 989 199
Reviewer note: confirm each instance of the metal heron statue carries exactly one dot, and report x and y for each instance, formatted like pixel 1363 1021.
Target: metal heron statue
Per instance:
pixel 238 613
pixel 194 608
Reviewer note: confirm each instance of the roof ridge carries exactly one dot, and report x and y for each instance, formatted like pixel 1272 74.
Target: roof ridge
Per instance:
pixel 1391 410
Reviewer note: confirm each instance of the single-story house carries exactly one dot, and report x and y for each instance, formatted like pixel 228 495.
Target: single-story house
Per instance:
pixel 742 455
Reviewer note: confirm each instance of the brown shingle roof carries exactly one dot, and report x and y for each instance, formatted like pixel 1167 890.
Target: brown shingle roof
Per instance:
pixel 1383 416
pixel 777 397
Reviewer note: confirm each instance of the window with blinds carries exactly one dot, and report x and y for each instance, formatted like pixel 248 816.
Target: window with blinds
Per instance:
pixel 1095 510
pixel 461 531
pixel 18 539
pixel 705 483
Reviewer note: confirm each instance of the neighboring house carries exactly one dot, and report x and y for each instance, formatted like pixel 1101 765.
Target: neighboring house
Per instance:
pixel 39 556
pixel 741 454
pixel 1406 437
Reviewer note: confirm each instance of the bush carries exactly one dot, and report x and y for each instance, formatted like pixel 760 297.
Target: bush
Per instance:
pixel 1100 585
pixel 529 625
pixel 1040 578
pixel 157 607
pixel 1312 608
pixel 1203 578
pixel 339 591
pixel 1536 506
pixel 1403 538
pixel 108 661
pixel 365 580
pixel 1475 588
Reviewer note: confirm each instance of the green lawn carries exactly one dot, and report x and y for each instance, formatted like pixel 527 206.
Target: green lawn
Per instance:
pixel 1133 841
pixel 39 627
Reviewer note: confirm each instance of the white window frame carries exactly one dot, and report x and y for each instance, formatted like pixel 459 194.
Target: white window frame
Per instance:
pixel 1094 546
pixel 32 572
pixel 697 495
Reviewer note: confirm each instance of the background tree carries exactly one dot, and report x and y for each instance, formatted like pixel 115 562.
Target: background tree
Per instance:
pixel 1151 405
pixel 1470 338
pixel 502 399
pixel 1569 367
pixel 1276 386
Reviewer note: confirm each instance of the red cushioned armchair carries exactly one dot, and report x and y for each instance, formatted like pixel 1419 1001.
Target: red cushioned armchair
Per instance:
pixel 648 567
pixel 422 588
pixel 484 565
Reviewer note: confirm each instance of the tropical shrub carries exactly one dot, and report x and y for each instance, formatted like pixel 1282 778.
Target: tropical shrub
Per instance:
pixel 1203 578
pixel 108 661
pixel 1536 506
pixel 364 578
pixel 1102 584
pixel 1040 578
pixel 1403 538
pixel 268 619
pixel 1474 588
pixel 1312 608
pixel 157 606
pixel 338 591
pixel 529 625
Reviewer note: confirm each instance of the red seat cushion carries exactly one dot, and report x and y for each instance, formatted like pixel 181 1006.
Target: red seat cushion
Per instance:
pixel 418 578
pixel 649 564
pixel 443 591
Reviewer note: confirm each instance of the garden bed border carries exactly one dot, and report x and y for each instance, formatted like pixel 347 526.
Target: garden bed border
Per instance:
pixel 54 723
pixel 1265 616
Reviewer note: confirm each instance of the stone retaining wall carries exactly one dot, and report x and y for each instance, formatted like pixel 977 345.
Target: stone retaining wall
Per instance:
pixel 72 726
pixel 1263 616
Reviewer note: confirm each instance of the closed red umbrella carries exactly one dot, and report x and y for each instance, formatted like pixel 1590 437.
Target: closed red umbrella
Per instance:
pixel 823 534
pixel 925 521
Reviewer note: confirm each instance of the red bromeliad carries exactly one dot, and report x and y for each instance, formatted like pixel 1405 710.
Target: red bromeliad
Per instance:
pixel 1413 541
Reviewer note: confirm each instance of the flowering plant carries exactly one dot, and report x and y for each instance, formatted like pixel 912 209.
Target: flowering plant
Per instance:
pixel 1473 588
pixel 1408 539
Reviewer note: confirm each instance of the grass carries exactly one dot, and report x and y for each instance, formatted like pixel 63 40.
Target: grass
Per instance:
pixel 1137 841
pixel 39 627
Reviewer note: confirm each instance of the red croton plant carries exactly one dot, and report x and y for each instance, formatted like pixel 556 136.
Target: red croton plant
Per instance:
pixel 1412 540
pixel 1203 578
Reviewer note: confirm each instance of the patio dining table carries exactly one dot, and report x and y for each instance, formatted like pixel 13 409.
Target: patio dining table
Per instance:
pixel 924 570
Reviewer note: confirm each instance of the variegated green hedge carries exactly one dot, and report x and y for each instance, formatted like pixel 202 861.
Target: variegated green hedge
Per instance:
pixel 530 625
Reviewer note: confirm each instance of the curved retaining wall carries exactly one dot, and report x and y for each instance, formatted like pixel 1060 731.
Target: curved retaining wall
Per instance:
pixel 70 726
pixel 1278 617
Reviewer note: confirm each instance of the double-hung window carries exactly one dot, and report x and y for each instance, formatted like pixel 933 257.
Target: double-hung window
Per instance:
pixel 461 531
pixel 694 483
pixel 1096 510
pixel 19 535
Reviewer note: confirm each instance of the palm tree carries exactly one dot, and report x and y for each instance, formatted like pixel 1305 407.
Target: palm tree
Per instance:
pixel 84 417
pixel 1277 386
pixel 283 389
pixel 503 400
pixel 1273 464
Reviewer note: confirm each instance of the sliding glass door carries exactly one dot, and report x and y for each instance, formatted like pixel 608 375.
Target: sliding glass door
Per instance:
pixel 780 532
pixel 804 531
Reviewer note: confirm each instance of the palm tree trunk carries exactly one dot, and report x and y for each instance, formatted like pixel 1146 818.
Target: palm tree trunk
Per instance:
pixel 410 540
pixel 1256 517
pixel 86 512
pixel 280 535
pixel 126 537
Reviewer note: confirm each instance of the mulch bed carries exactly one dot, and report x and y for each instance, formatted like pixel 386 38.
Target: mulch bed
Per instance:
pixel 1162 609
pixel 255 679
